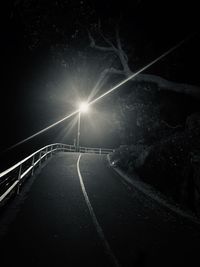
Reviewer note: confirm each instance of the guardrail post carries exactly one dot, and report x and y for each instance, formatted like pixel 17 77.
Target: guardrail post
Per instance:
pixel 51 150
pixel 19 177
pixel 33 160
pixel 46 153
pixel 40 158
pixel 100 151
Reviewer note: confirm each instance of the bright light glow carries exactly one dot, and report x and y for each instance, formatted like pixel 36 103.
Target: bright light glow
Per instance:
pixel 84 106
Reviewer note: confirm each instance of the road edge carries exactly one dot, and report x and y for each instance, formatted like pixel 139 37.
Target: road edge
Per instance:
pixel 161 200
pixel 99 230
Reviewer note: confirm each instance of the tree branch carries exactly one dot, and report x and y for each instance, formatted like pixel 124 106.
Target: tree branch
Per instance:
pixel 161 83
pixel 120 45
pixel 116 71
pixel 105 38
pixel 101 48
pixel 107 71
pixel 102 79
pixel 122 55
pixel 171 126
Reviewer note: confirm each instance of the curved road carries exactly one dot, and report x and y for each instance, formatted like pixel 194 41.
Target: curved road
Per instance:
pixel 78 212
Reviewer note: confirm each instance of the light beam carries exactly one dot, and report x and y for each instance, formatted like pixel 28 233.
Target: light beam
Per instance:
pixel 42 131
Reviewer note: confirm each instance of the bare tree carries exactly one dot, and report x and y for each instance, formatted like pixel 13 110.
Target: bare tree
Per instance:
pixel 119 52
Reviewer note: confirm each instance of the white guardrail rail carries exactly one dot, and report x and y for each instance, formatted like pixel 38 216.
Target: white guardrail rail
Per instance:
pixel 12 178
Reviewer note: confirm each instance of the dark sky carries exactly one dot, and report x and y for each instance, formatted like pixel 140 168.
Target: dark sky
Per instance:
pixel 31 30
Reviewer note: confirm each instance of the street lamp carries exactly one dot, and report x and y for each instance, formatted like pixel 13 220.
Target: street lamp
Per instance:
pixel 83 108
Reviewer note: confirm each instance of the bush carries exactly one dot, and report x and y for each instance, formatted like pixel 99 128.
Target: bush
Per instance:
pixel 171 165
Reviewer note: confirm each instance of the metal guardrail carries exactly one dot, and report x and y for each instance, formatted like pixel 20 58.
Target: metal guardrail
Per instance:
pixel 12 178
pixel 95 150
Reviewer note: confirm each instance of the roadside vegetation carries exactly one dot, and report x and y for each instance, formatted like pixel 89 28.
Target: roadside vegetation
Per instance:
pixel 160 136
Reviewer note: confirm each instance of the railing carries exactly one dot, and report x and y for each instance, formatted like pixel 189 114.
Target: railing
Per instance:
pixel 95 150
pixel 12 178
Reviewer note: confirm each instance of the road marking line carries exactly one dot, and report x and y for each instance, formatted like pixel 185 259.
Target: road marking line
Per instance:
pixel 106 245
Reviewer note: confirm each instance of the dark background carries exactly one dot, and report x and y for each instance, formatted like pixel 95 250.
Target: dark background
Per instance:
pixel 31 29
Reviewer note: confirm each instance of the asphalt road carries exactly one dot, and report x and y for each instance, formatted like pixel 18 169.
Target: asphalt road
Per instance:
pixel 79 212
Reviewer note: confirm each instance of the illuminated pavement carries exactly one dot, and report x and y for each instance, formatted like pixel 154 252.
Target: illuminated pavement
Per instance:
pixel 54 226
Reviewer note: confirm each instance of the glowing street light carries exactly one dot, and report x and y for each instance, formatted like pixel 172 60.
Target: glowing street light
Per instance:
pixel 83 108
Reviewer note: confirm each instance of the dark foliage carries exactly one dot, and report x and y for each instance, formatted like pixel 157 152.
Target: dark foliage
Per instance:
pixel 165 147
pixel 173 165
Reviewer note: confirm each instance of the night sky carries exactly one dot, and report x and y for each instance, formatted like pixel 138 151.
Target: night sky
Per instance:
pixel 40 38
